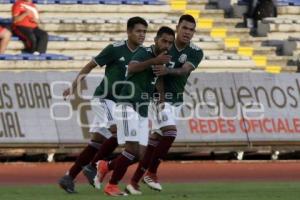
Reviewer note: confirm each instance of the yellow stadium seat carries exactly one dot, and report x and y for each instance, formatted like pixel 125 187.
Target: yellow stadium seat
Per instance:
pixel 178 4
pixel 218 32
pixel 232 42
pixel 273 69
pixel 245 51
pixel 194 13
pixel 205 23
pixel 260 61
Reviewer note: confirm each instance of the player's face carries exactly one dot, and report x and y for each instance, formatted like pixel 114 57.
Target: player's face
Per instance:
pixel 164 43
pixel 137 34
pixel 185 31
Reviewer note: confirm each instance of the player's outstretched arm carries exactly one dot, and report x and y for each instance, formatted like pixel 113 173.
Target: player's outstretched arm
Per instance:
pixel 80 76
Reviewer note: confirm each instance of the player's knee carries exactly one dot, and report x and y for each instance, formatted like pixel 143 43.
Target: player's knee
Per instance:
pixel 155 136
pixel 97 137
pixel 94 144
pixel 113 130
pixel 133 148
pixel 170 131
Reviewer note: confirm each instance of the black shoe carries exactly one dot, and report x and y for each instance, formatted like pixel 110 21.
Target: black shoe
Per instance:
pixel 66 182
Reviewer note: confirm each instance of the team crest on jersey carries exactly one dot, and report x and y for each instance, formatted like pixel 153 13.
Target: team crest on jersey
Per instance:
pixel 122 58
pixel 133 133
pixel 182 58
pixel 164 118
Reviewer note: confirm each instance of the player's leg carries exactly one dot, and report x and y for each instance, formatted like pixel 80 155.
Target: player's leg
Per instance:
pixel 152 143
pixel 111 143
pixel 98 136
pixel 166 121
pixel 145 160
pixel 103 109
pixel 133 187
pixel 128 125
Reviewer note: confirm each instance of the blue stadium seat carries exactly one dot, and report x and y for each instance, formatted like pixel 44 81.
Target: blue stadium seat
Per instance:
pixel 56 57
pixel 112 2
pixel 5 21
pixel 289 2
pixel 5 1
pixel 45 1
pixel 89 1
pixel 133 2
pixel 51 38
pixel 154 2
pixel 57 38
pixel 15 38
pixel 10 57
pixel 66 1
pixel 27 56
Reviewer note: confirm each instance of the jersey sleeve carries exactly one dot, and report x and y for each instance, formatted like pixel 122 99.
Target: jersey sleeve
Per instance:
pixel 195 57
pixel 106 56
pixel 141 55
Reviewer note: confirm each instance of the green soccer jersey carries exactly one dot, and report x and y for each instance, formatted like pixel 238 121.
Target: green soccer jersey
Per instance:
pixel 116 57
pixel 141 85
pixel 174 85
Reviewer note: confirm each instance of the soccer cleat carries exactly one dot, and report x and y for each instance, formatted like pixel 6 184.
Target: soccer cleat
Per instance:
pixel 66 182
pixel 90 173
pixel 151 180
pixel 113 190
pixel 133 189
pixel 102 170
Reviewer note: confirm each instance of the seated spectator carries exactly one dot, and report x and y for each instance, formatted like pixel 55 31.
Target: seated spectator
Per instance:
pixel 259 9
pixel 5 35
pixel 25 26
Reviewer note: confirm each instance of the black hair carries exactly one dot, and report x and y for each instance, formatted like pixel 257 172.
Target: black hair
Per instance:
pixel 188 18
pixel 165 29
pixel 135 20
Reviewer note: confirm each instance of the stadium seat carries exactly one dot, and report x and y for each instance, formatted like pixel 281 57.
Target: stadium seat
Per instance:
pixel 10 57
pixel 5 21
pixel 5 1
pixel 154 2
pixel 45 1
pixel 111 2
pixel 133 2
pixel 57 57
pixel 89 1
pixel 33 57
pixel 57 38
pixel 289 2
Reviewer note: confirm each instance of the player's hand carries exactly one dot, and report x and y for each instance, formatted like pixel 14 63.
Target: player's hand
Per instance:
pixel 66 93
pixel 160 70
pixel 162 58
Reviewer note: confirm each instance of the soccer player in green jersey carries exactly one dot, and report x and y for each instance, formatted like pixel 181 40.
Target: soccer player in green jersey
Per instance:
pixel 185 58
pixel 115 57
pixel 132 108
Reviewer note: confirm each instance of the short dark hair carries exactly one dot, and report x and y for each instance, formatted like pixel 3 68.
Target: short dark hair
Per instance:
pixel 136 20
pixel 188 18
pixel 165 29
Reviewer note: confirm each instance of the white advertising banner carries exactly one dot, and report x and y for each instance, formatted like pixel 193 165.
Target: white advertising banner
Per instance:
pixel 219 107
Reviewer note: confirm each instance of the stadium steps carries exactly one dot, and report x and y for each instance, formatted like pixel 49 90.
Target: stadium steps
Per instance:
pixel 108 11
pixel 250 51
pixel 13 65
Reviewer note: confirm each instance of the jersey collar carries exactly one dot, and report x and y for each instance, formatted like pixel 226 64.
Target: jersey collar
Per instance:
pixel 132 50
pixel 179 50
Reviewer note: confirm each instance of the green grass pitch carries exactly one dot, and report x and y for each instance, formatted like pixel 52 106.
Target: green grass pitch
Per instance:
pixel 172 191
